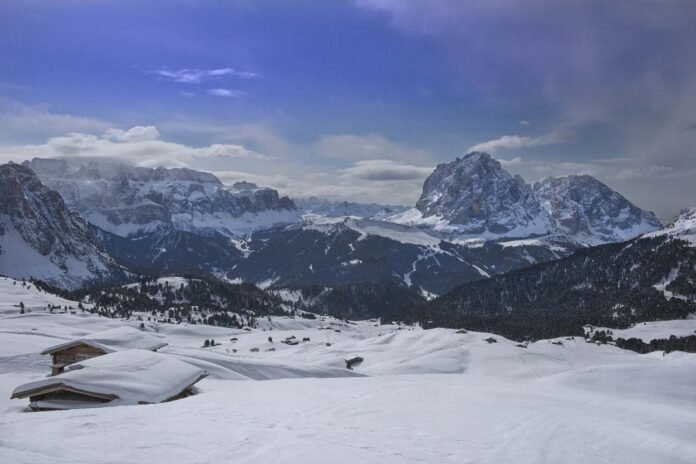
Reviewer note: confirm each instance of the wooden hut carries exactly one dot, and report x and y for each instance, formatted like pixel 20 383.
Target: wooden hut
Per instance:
pixel 120 378
pixel 99 344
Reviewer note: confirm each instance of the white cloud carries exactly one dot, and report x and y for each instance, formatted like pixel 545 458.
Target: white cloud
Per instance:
pixel 353 147
pixel 197 76
pixel 139 145
pixel 134 134
pixel 226 93
pixel 609 170
pixel 511 162
pixel 366 181
pixel 363 168
pixel 524 122
pixel 517 141
pixel 19 122
pixel 386 170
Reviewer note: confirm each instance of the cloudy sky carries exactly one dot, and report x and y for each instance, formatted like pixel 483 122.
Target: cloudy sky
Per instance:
pixel 359 99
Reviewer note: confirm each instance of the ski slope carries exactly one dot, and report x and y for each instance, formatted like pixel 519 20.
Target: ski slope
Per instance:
pixel 433 396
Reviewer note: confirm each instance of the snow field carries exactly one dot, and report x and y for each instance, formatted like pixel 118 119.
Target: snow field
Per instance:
pixel 434 396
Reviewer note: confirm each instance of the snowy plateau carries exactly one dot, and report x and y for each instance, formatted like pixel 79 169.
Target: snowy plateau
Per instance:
pixel 430 396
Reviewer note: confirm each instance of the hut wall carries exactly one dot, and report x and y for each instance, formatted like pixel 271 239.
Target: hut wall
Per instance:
pixel 72 355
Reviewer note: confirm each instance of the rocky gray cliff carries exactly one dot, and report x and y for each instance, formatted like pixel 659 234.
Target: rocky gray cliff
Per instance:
pixel 588 210
pixel 128 200
pixel 477 196
pixel 41 238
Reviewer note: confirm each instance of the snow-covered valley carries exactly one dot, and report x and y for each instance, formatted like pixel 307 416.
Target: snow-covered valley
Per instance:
pixel 437 395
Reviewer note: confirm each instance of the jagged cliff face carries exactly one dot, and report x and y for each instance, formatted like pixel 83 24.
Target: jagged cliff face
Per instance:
pixel 128 200
pixel 478 196
pixel 587 209
pixel 41 238
pixel 475 196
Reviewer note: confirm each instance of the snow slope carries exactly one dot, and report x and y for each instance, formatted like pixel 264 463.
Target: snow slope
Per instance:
pixel 647 331
pixel 393 231
pixel 418 396
pixel 683 227
pixel 14 291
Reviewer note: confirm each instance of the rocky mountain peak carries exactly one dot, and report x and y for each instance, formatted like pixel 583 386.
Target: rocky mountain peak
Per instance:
pixel 477 195
pixel 244 185
pixel 589 210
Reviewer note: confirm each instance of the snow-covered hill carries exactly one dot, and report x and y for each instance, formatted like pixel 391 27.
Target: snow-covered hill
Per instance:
pixel 683 227
pixel 17 293
pixel 322 207
pixel 40 238
pixel 346 250
pixel 419 395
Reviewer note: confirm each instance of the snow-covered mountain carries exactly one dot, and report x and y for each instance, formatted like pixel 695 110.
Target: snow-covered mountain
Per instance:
pixel 333 251
pixel 648 278
pixel 473 220
pixel 683 227
pixel 588 210
pixel 323 207
pixel 128 201
pixel 474 196
pixel 41 238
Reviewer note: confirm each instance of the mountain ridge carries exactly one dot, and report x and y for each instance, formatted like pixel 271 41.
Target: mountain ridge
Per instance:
pixel 40 238
pixel 474 196
pixel 128 200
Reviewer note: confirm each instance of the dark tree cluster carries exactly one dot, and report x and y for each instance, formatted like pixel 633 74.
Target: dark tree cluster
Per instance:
pixel 673 343
pixel 389 300
pixel 611 285
pixel 199 301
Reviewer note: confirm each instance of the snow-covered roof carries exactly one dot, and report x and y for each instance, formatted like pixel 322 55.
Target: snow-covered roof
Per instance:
pixel 129 377
pixel 121 338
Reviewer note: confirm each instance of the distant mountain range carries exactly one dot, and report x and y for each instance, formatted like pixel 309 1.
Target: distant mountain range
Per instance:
pixel 129 201
pixel 489 251
pixel 473 220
